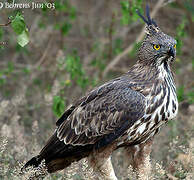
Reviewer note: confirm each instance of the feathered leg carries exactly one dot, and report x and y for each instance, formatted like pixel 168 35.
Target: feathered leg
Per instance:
pixel 139 158
pixel 101 163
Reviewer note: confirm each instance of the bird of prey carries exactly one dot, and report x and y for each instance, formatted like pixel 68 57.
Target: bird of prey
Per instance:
pixel 124 112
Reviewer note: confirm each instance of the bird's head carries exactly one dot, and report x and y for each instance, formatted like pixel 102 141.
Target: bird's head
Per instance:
pixel 157 47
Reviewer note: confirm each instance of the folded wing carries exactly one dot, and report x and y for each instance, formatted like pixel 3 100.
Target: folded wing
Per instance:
pixel 102 116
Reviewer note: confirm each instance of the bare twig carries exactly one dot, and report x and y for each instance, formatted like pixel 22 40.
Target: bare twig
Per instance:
pixel 7 24
pixel 4 25
pixel 115 61
pixel 168 1
pixel 110 33
pixel 44 54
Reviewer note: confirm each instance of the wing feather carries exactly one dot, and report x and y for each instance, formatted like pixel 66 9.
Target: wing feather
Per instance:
pixel 108 110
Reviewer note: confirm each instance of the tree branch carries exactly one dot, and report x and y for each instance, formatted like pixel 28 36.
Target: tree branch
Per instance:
pixel 45 52
pixel 116 60
pixel 6 24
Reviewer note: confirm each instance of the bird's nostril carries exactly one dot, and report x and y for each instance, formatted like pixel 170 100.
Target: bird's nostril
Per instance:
pixel 171 52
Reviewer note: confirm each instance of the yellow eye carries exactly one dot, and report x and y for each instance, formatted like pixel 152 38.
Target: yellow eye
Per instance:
pixel 156 46
pixel 175 46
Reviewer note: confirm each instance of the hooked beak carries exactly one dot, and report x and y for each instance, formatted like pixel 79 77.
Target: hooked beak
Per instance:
pixel 171 52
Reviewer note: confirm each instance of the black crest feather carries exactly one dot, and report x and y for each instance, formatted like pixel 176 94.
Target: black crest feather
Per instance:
pixel 148 21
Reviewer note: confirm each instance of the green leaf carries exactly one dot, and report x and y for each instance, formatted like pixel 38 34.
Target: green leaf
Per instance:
pixel 75 69
pixel 180 93
pixel 58 106
pixel 2 81
pixel 45 8
pixel 190 96
pixel 1 33
pixel 18 24
pixel 66 28
pixel 125 12
pixel 117 46
pixel 10 68
pixel 128 10
pixel 66 7
pixel 180 33
pixel 23 38
pixel 72 13
pixel 26 70
pixel 20 29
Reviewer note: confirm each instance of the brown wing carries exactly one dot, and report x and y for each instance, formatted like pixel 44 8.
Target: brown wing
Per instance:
pixel 106 113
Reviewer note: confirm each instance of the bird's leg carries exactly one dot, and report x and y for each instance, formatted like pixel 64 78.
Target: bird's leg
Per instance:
pixel 139 158
pixel 100 161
